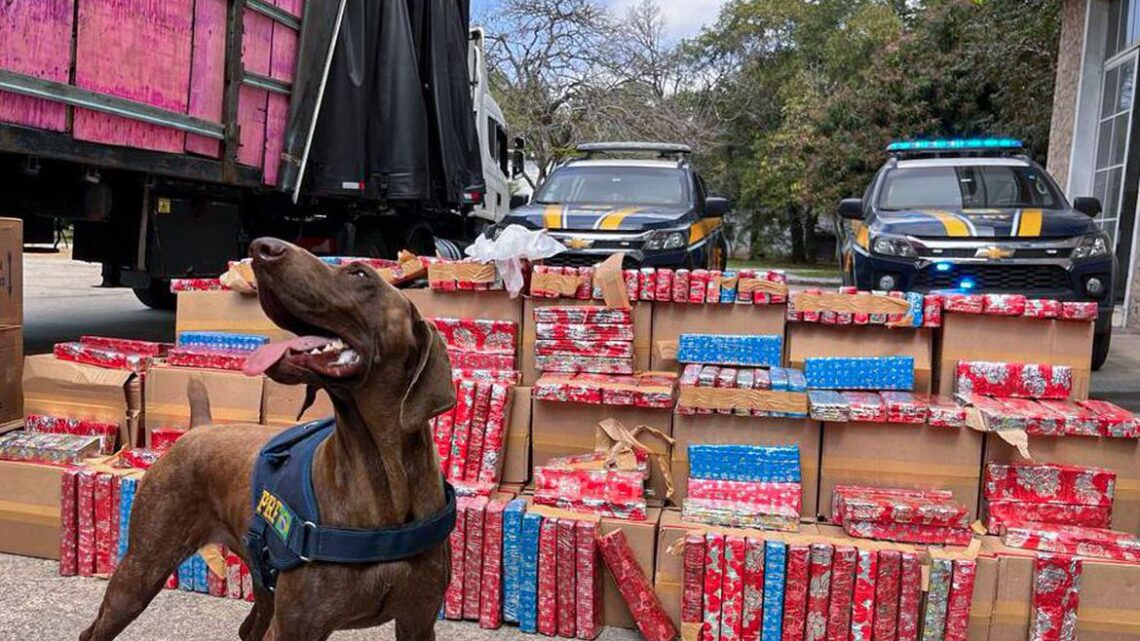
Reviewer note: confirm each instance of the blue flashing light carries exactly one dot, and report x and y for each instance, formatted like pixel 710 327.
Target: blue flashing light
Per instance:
pixel 942 267
pixel 966 283
pixel 955 144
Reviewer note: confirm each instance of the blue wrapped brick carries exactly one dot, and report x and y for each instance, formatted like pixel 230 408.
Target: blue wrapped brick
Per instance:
pixel 743 350
pixel 512 558
pixel 186 574
pixel 775 561
pixel 917 304
pixel 860 372
pixel 797 382
pixel 201 574
pixel 528 576
pixel 222 341
pixel 772 464
pixel 127 488
pixel 728 294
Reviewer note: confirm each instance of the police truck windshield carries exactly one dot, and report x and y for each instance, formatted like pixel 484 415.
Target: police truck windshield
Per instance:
pixel 967 187
pixel 610 185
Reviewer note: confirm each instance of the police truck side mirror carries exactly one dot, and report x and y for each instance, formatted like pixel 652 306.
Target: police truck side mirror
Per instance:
pixel 1088 206
pixel 716 207
pixel 851 208
pixel 519 200
pixel 517 163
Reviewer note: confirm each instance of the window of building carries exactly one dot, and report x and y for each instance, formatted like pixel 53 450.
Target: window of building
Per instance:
pixel 1123 26
pixel 1112 140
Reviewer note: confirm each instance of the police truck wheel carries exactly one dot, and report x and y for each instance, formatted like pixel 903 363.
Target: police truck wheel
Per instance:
pixel 1101 343
pixel 157 295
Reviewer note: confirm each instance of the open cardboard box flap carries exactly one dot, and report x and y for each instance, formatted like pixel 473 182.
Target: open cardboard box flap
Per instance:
pixel 63 388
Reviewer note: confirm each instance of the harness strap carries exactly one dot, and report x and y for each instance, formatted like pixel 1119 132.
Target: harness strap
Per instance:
pixel 312 542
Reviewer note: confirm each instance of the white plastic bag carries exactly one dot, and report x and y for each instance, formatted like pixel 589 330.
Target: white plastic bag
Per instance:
pixel 514 244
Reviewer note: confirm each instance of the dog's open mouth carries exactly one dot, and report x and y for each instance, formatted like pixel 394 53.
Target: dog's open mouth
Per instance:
pixel 328 357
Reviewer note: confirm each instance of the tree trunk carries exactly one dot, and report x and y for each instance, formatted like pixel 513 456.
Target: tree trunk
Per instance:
pixel 754 236
pixel 808 220
pixel 795 229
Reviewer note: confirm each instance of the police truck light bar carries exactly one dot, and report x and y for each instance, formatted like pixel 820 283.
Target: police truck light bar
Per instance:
pixel 955 144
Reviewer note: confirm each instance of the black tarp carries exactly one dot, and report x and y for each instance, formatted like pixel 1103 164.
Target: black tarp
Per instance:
pixel 397 121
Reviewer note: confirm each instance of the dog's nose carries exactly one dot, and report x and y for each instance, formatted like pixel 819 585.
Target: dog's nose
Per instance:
pixel 267 249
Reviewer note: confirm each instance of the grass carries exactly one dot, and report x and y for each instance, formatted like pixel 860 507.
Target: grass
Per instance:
pixel 822 270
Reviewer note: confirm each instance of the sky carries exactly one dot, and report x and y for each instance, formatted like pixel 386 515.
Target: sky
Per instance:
pixel 683 18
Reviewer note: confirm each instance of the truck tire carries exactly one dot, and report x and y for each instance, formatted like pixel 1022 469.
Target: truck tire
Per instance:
pixel 372 243
pixel 157 295
pixel 1101 343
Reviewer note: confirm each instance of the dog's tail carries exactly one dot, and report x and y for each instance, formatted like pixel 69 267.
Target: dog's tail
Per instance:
pixel 199 402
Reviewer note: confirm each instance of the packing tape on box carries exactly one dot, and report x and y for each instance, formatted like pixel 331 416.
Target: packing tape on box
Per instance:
pixel 930 471
pixel 26 513
pixel 565 285
pixel 667 350
pixel 758 285
pixel 1088 619
pixel 758 399
pixel 847 303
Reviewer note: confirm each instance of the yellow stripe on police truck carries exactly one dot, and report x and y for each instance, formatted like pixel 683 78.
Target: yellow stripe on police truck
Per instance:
pixel 1030 223
pixel 613 220
pixel 552 217
pixel 955 227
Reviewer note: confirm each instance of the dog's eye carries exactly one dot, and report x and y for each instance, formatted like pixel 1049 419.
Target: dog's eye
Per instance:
pixel 358 272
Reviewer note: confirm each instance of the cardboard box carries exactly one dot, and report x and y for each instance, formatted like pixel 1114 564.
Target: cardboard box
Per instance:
pixel 814 340
pixel 29 509
pixel 1109 607
pixel 975 337
pixel 11 373
pixel 561 429
pixel 642 332
pixel 280 404
pixel 718 428
pixel 73 390
pixel 516 455
pixel 670 320
pixel 224 311
pixel 493 305
pixel 11 271
pixel 904 456
pixel 642 537
pixel 234 397
pixel 1119 455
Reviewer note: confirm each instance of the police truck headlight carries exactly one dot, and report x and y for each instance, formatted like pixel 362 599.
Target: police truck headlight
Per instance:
pixel 1092 246
pixel 666 240
pixel 887 282
pixel 1094 286
pixel 893 246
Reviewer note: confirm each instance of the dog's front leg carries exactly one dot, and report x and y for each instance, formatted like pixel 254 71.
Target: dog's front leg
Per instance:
pixel 257 623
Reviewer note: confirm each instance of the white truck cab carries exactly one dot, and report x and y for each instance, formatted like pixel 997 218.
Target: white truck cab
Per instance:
pixel 493 136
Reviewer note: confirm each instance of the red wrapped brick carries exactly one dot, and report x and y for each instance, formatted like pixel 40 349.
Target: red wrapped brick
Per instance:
pixel 885 627
pixel 103 503
pixel 1042 308
pixel 478 433
pixel 585 283
pixel 890 505
pixel 473 557
pixel 945 412
pixel 108 433
pixel 588 602
pixel 904 407
pixel 233 576
pixel 1003 514
pixel 68 522
pixel 1050 483
pixel 548 577
pixel 216 583
pixel 732 589
pixel 1115 421
pixel 908 533
pixel 796 592
pixel 491 594
pixel 632 283
pixel 650 617
pixel 1056 596
pixel 963 303
pixel 85 521
pixel 789 494
pixel 453 597
pixel 753 616
pixel 631 510
pixel 162 438
pixel 931 311
pixel 698 285
pixel 498 413
pixel 206 358
pixel 196 285
pixel 663 285
pixel 863 595
pixel 819 591
pixel 714 584
pixel 102 356
pixel 866 407
pixel 579 314
pixel 479 335
pixel 1024 380
pixel 1078 311
pixel 1003 304
pixel 475 360
pixel 1078 421
pixel 461 430
pixel 442 432
pixel 910 596
pixel 712 287
pixel 583 364
pixel 566 561
pixel 693 586
pixel 961 597
pixel 647 284
pixel 1039 420
pixel 247 590
pixel 567 388
pixel 612 485
pixel 133 346
pixel 572 347
pixel 1073 540
pixel 840 601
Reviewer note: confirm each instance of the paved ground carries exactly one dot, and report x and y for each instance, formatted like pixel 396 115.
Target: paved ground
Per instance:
pixel 35 604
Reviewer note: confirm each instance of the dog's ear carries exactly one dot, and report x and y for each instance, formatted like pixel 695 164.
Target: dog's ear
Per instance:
pixel 430 392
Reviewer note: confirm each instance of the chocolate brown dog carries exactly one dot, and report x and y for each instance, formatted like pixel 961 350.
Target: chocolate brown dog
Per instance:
pixel 387 373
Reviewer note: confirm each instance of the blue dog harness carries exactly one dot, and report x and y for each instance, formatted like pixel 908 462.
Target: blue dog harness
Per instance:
pixel 286 529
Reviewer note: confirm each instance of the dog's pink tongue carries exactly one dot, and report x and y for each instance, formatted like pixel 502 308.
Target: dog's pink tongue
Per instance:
pixel 267 355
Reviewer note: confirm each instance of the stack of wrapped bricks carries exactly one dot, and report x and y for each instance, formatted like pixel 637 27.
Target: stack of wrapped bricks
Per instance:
pixel 690 453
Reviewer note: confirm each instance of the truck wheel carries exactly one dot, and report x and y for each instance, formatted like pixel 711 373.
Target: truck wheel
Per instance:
pixel 157 295
pixel 371 243
pixel 420 241
pixel 1101 344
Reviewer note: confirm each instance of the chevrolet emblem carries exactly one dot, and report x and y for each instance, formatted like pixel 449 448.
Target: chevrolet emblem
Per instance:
pixel 993 252
pixel 578 243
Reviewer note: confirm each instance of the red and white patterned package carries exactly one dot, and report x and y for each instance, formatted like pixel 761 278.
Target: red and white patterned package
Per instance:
pixel 1115 421
pixel 464 359
pixel 712 287
pixel 453 597
pixel 1039 420
pixel 102 356
pixel 567 388
pixel 566 562
pixel 908 533
pixel 649 615
pixel 510 378
pixel 961 598
pixel 963 303
pixel 726 379
pixel 585 284
pixel 910 596
pixel 473 557
pixel 745 294
pixel 863 595
pixel 131 345
pixel 548 577
pixel 610 485
pixel 714 584
pixel 108 433
pixel 498 412
pixel 698 285
pixel 819 591
pixel 588 602
pixel 1056 596
pixel 162 438
pixel 887 584
pixel 1024 380
pixel 478 335
pixel 789 494
pixel 944 412
pixel 247 583
pixel 580 314
pixel 628 510
pixel 620 391
pixel 1077 311
pixel 1078 421
pixel 931 310
pixel 732 589
pixel 680 293
pixel 840 493
pixel 583 332
pixel 693 587
pixel 442 429
pixel 1003 514
pixel 840 600
pixel 1042 308
pixel 752 619
pixel 233 576
pixel 866 407
pixel 1003 304
pixel 491 594
pixel 477 435
pixel 568 347
pixel 68 522
pixel 216 583
pixel 461 429
pixel 102 506
pixel 852 503
pixel 796 592
pixel 904 407
pixel 206 358
pixel 632 283
pixel 663 285
pixel 647 284
pixel 85 522
pixel 196 285
pixel 1068 539
pixel 1050 483
pixel 583 364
